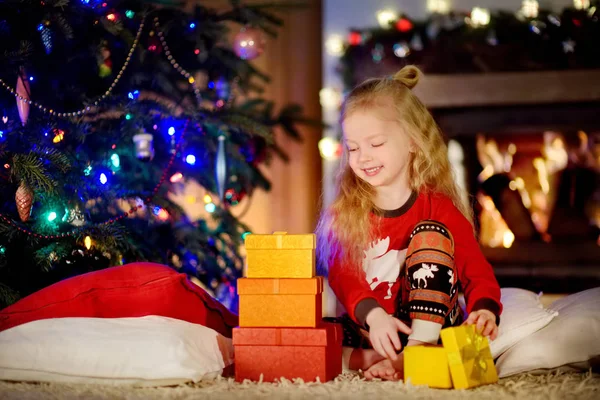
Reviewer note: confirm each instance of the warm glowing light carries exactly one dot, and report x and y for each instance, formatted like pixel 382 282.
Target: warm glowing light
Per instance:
pixel 438 6
pixel 386 17
pixel 329 148
pixel 508 239
pixel 87 242
pixel 335 45
pixel 479 17
pixel 540 165
pixel 330 98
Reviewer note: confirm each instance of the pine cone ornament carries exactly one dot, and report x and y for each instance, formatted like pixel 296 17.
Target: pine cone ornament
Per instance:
pixel 24 200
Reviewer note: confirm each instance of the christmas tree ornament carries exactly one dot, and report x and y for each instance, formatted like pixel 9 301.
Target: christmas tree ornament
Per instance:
pixel 249 43
pixel 46 34
pixel 23 95
pixel 24 201
pixel 416 43
pixel 568 46
pixel 75 215
pixel 233 198
pixel 144 149
pixel 221 168
pixel 104 61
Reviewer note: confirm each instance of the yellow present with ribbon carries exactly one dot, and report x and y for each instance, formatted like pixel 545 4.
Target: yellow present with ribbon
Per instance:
pixel 469 357
pixel 427 365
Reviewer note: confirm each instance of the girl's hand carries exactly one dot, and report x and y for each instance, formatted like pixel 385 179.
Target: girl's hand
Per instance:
pixel 383 333
pixel 486 323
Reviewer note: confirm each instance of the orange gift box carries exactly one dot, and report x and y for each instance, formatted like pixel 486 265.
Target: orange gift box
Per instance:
pixel 280 302
pixel 280 255
pixel 307 353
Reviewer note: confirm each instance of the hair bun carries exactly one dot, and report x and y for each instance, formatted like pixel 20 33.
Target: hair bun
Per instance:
pixel 408 75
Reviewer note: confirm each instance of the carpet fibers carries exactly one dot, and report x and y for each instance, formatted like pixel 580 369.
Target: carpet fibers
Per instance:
pixel 553 385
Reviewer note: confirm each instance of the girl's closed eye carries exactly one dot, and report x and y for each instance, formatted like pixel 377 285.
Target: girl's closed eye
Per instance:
pixel 352 149
pixel 377 144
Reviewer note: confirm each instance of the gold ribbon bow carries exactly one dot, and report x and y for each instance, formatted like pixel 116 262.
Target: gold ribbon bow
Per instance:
pixel 477 350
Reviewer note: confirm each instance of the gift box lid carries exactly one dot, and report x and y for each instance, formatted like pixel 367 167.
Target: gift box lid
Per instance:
pixel 280 285
pixel 280 240
pixel 326 334
pixel 469 357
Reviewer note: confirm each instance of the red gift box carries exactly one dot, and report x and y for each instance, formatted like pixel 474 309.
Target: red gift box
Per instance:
pixel 307 353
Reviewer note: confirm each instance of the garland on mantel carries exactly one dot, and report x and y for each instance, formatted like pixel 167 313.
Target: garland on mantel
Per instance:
pixel 481 41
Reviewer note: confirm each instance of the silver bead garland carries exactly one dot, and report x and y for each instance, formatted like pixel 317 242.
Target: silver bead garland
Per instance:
pixel 97 101
pixel 174 62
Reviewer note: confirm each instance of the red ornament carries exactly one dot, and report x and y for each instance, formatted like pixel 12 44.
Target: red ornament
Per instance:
pixel 249 43
pixel 404 25
pixel 355 38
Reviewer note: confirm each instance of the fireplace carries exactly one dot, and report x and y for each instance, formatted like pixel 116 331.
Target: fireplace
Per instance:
pixel 527 148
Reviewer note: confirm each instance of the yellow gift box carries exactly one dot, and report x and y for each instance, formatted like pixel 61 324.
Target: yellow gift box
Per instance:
pixel 280 255
pixel 469 357
pixel 427 365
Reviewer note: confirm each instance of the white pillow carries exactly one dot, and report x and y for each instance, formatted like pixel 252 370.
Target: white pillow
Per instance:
pixel 571 340
pixel 522 315
pixel 144 351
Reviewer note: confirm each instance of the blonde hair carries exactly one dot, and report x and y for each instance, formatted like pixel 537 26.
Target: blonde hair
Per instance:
pixel 344 228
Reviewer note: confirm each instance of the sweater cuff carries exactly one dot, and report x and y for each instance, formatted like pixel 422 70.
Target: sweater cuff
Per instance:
pixel 363 308
pixel 425 331
pixel 485 303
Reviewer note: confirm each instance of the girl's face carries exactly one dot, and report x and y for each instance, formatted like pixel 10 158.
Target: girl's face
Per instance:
pixel 378 148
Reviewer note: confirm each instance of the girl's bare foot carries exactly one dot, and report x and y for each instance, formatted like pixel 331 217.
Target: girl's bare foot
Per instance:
pixel 363 359
pixel 387 369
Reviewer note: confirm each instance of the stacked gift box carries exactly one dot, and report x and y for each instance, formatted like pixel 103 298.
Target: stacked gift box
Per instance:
pixel 281 332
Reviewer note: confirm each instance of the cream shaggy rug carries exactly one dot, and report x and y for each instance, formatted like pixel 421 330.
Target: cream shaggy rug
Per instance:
pixel 555 385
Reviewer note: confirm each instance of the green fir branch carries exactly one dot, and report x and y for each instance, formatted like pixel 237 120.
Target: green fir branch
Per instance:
pixel 8 296
pixel 18 56
pixel 59 3
pixel 56 158
pixel 248 125
pixel 30 169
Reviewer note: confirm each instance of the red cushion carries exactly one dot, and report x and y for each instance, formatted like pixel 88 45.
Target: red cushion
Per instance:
pixel 132 290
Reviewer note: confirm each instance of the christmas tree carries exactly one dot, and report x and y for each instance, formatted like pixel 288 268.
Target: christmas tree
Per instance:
pixel 109 108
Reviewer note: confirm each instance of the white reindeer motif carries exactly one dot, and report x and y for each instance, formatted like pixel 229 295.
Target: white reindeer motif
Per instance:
pixel 454 313
pixel 426 271
pixel 451 273
pixel 381 265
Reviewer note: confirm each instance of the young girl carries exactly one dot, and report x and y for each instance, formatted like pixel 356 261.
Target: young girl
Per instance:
pixel 397 240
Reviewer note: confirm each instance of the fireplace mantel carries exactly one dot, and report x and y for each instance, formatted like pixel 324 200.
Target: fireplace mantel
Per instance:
pixel 509 89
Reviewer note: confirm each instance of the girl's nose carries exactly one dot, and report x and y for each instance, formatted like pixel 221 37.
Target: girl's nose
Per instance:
pixel 364 156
